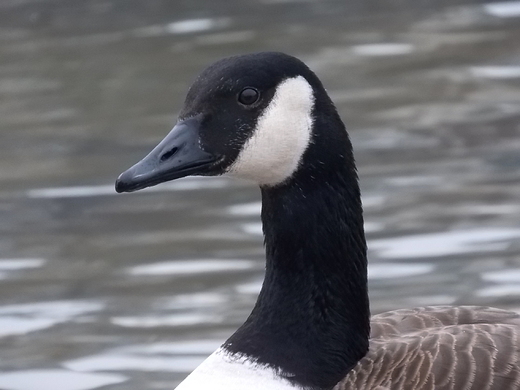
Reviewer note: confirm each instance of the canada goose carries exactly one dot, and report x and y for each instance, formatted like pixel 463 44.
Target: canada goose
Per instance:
pixel 266 117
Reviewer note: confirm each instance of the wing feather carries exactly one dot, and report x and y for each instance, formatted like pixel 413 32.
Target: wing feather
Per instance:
pixel 440 348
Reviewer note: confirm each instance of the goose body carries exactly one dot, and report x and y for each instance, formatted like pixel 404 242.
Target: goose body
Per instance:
pixel 266 117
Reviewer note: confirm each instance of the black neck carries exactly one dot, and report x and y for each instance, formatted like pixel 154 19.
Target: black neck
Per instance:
pixel 311 320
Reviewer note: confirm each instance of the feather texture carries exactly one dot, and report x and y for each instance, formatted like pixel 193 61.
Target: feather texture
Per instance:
pixel 440 348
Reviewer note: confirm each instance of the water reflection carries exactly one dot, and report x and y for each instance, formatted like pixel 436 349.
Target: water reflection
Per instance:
pixel 56 380
pixel 445 243
pixel 181 357
pixel 507 9
pixel 182 27
pixel 187 184
pixel 9 266
pixel 496 72
pixel 383 49
pixel 29 317
pixel 191 267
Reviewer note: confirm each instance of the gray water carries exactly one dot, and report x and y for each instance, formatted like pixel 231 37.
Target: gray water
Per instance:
pixel 99 290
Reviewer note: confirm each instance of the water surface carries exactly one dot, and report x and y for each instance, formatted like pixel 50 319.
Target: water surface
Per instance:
pixel 110 291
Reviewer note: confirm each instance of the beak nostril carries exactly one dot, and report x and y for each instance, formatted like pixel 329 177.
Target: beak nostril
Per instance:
pixel 169 153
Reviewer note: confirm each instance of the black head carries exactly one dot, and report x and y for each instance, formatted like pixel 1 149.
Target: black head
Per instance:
pixel 266 117
pixel 249 116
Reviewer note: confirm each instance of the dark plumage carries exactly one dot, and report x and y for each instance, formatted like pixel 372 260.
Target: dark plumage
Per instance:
pixel 311 321
pixel 440 347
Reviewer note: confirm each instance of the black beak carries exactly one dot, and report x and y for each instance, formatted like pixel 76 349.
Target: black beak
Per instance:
pixel 176 156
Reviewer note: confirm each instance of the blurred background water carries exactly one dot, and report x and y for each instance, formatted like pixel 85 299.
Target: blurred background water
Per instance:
pixel 99 290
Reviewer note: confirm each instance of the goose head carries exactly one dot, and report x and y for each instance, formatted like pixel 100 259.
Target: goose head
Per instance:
pixel 249 116
pixel 266 117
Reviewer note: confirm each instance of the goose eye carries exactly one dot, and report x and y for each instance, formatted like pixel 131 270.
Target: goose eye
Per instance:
pixel 248 96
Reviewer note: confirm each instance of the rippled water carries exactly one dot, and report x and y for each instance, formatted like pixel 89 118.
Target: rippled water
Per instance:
pixel 110 291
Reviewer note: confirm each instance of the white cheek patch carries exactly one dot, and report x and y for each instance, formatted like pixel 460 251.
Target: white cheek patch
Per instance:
pixel 281 136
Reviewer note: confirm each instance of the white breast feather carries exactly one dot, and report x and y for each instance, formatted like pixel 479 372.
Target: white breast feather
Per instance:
pixel 220 371
pixel 282 135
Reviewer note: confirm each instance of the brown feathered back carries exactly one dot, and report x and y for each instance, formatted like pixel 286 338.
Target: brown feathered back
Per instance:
pixel 441 348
